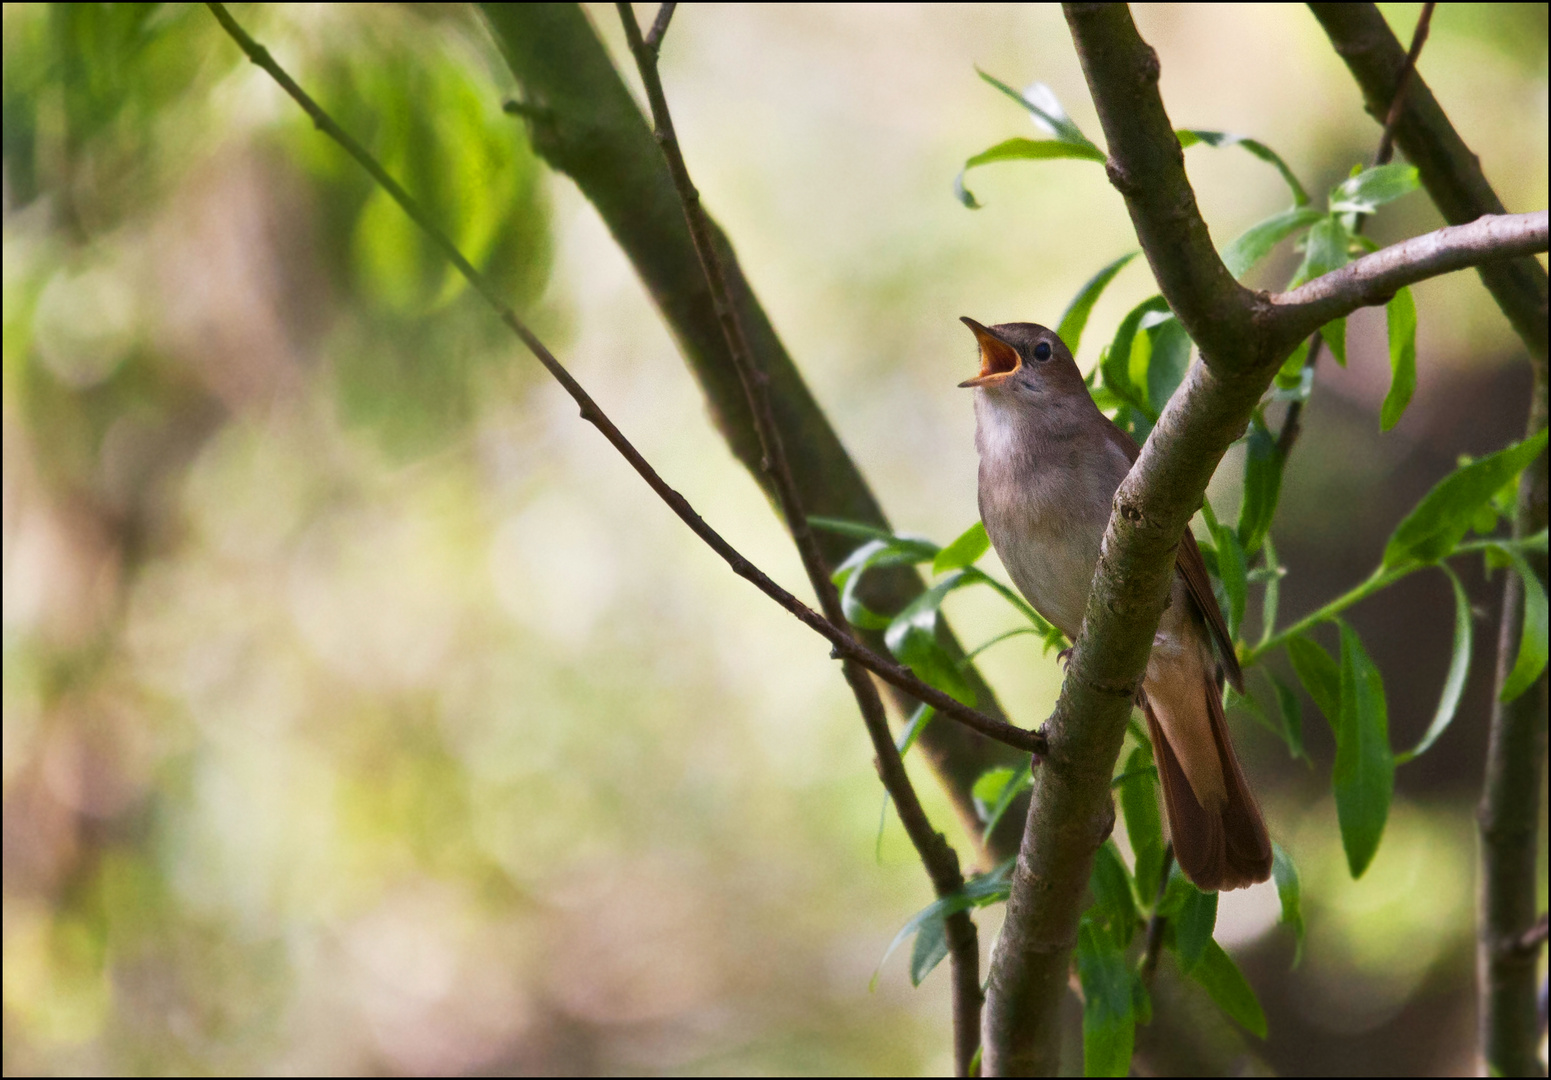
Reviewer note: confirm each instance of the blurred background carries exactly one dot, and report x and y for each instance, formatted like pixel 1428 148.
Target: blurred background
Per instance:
pixel 363 712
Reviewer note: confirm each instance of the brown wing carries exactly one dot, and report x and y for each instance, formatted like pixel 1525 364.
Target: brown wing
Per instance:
pixel 1193 569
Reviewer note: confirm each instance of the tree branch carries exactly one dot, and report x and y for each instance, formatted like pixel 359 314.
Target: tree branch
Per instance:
pixel 584 123
pixel 1243 338
pixel 844 645
pixel 939 858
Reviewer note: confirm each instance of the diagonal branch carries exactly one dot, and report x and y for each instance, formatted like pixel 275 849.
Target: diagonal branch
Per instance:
pixel 939 858
pixel 843 644
pixel 1243 336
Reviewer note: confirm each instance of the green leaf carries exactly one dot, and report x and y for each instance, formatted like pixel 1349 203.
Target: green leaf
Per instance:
pixel 1046 110
pixel 1114 906
pixel 1188 138
pixel 1168 359
pixel 1401 315
pixel 1292 715
pixel 1116 365
pixel 1289 892
pixel 886 549
pixel 1018 784
pixel 1372 188
pixel 1108 1010
pixel 1226 985
pixel 1326 250
pixel 1294 379
pixel 1272 571
pixel 1230 569
pixel 1053 637
pixel 917 724
pixel 970 545
pixel 1319 674
pixel 1020 150
pixel 1364 773
pixel 1256 242
pixel 930 947
pixel 1075 318
pixel 918 650
pixel 1333 334
pixel 988 788
pixel 1193 927
pixel 1263 461
pixel 1454 681
pixel 1531 660
pixel 1440 520
pixel 988 888
pixel 849 528
pixel 1144 827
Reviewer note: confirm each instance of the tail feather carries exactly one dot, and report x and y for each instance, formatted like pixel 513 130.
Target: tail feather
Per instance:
pixel 1224 845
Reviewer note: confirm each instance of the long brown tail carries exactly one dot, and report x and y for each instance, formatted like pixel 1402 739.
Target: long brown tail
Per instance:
pixel 1222 846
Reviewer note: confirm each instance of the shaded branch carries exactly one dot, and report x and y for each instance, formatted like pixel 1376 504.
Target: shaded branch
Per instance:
pixel 844 645
pixel 939 858
pixel 583 121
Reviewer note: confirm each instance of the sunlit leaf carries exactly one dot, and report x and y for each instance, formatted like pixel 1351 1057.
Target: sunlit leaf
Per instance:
pixel 1227 986
pixel 970 545
pixel 919 650
pixel 1364 773
pixel 1326 249
pixel 1372 188
pixel 1116 364
pixel 1459 668
pixel 1401 315
pixel 1188 138
pixel 918 720
pixel 1020 150
pixel 1075 318
pixel 1333 334
pixel 1441 519
pixel 1531 658
pixel 1046 110
pixel 1256 242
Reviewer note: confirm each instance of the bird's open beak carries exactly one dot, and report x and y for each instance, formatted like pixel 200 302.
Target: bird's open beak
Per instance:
pixel 997 358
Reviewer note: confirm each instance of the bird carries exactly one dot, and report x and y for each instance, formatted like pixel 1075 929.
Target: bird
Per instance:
pixel 1050 463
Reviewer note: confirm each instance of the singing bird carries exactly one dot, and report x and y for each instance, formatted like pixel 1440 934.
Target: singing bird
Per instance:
pixel 1050 462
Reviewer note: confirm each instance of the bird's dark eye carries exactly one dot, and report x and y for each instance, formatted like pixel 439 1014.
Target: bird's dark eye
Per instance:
pixel 1042 351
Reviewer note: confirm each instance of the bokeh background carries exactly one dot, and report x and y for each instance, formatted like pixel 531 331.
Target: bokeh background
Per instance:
pixel 363 712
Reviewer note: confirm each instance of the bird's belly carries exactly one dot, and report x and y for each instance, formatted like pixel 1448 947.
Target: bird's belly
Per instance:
pixel 1052 569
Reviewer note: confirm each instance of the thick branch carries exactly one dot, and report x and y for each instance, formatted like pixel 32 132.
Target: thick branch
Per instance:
pixel 582 120
pixel 1375 278
pixel 939 858
pixel 1449 171
pixel 844 645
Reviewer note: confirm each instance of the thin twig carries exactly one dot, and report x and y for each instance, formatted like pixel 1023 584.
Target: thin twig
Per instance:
pixel 844 645
pixel 1291 426
pixel 659 28
pixel 939 858
pixel 1532 939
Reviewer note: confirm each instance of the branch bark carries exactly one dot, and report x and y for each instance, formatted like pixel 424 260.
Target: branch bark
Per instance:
pixel 1243 337
pixel 936 854
pixel 1510 816
pixel 584 123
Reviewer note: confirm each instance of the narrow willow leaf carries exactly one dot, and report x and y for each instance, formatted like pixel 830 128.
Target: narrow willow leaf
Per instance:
pixel 917 724
pixel 1230 568
pixel 930 947
pixel 1144 826
pixel 1263 461
pixel 1401 315
pixel 1441 519
pixel 921 612
pixel 1020 783
pixel 1531 660
pixel 1289 892
pixel 1273 594
pixel 1333 334
pixel 988 888
pixel 849 528
pixel 1227 986
pixel 1454 681
pixel 1108 1011
pixel 1325 251
pixel 1372 188
pixel 1319 674
pixel 1256 242
pixel 988 788
pixel 1294 378
pixel 1189 138
pixel 1116 364
pixel 1075 318
pixel 1114 905
pixel 1020 150
pixel 1292 716
pixel 1193 927
pixel 918 650
pixel 1045 109
pixel 971 544
pixel 1364 773
pixel 1168 358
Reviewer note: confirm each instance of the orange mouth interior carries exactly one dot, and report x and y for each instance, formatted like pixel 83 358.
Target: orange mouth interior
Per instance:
pixel 997 358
